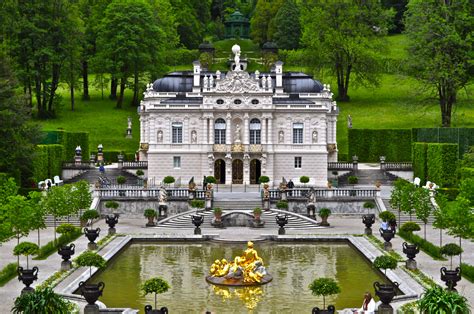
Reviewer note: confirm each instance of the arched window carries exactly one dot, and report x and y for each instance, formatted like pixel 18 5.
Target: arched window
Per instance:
pixel 255 131
pixel 219 131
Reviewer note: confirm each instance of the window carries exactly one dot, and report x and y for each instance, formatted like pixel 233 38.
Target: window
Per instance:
pixel 220 101
pixel 237 101
pixel 177 162
pixel 177 132
pixel 219 131
pixel 255 101
pixel 297 133
pixel 298 162
pixel 255 131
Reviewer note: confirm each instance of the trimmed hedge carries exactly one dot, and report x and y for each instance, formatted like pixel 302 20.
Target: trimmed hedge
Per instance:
pixel 467 271
pixel 429 248
pixel 52 247
pixel 370 144
pixel 441 163
pixel 40 163
pixel 55 159
pixel 69 141
pixel 8 273
pixel 464 137
pixel 419 161
pixel 466 172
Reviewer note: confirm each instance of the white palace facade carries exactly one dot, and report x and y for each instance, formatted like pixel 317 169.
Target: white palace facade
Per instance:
pixel 238 126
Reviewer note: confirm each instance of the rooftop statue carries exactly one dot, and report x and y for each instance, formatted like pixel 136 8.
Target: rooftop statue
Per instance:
pixel 245 270
pixel 236 51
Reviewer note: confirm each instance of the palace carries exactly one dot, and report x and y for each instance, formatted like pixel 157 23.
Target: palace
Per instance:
pixel 238 126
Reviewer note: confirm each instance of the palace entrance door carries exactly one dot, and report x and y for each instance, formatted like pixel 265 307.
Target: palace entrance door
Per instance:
pixel 219 171
pixel 255 171
pixel 237 171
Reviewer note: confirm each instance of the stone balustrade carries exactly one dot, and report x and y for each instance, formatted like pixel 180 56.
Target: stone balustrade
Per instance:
pixel 301 193
pixel 137 192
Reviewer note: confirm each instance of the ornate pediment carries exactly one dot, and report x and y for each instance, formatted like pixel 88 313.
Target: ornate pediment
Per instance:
pixel 238 82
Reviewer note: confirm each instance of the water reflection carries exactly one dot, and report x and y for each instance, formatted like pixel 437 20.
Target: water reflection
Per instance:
pixel 250 296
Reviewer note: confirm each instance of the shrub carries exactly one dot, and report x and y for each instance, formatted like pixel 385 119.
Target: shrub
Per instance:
pixel 304 179
pixel 65 229
pixel 90 214
pixel 439 300
pixel 451 249
pixel 387 215
pixel 7 273
pixel 90 259
pixel 352 179
pixel 257 210
pixel 385 262
pixel 168 180
pixel 112 204
pixel 282 205
pixel 217 210
pixel 410 227
pixel 155 285
pixel 197 203
pixel 263 179
pixel 52 246
pixel 139 172
pixel 324 287
pixel 324 212
pixel 467 271
pixel 121 179
pixel 211 179
pixel 26 249
pixel 149 212
pixel 369 205
pixel 370 144
pixel 43 300
pixel 419 161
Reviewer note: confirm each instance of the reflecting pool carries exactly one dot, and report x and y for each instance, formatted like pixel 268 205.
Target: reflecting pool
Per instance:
pixel 184 265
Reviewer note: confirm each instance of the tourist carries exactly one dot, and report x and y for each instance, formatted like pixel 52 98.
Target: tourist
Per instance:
pixel 393 224
pixel 290 186
pixel 368 306
pixel 102 169
pixel 384 225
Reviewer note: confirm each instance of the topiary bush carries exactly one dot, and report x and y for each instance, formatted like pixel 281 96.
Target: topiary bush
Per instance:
pixel 451 249
pixel 211 179
pixel 90 259
pixel 90 214
pixel 282 205
pixel 66 228
pixel 442 160
pixel 197 203
pixel 139 172
pixel 149 212
pixel 324 212
pixel 352 180
pixel 263 179
pixel 26 249
pixel 168 180
pixel 155 285
pixel 385 262
pixel 410 227
pixel 112 204
pixel 304 179
pixel 419 162
pixel 121 180
pixel 386 215
pixel 324 287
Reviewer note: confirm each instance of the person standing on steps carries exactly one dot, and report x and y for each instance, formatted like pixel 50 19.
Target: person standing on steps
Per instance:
pixel 290 186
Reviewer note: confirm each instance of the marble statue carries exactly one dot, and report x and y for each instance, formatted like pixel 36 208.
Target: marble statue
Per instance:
pixel 315 136
pixel 129 123
pixel 163 196
pixel 236 51
pixel 349 122
pixel 159 137
pixel 281 137
pixel 237 138
pixel 247 268
pixel 193 137
pixel 311 196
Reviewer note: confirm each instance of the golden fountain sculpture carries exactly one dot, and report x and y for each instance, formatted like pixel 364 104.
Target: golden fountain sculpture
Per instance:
pixel 244 270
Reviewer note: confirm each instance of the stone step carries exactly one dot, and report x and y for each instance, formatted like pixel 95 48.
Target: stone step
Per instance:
pixel 92 176
pixel 74 220
pixel 405 217
pixel 185 220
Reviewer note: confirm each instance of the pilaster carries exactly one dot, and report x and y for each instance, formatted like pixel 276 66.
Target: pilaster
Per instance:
pixel 246 129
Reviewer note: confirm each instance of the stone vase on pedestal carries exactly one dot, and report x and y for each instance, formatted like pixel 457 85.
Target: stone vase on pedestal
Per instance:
pixel 66 252
pixel 27 276
pixel 410 250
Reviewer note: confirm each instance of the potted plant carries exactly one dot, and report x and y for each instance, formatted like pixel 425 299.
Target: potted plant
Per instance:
pixel 89 216
pixel 283 205
pixel 150 213
pixel 324 287
pixel 385 292
pixel 121 180
pixel 451 249
pixel 49 300
pixel 168 180
pixel 155 285
pixel 304 179
pixel 112 204
pixel 211 179
pixel 27 276
pixel 324 213
pixel 263 179
pixel 369 206
pixel 257 213
pixel 139 173
pixel 217 214
pixel 451 276
pixel 439 300
pixel 198 204
pixel 91 292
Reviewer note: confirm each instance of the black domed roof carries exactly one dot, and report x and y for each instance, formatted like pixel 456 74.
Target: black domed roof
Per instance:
pixel 294 83
pixel 176 82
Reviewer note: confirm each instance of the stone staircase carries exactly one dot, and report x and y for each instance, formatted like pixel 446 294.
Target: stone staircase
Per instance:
pixel 369 177
pixel 183 220
pixel 92 176
pixel 244 204
pixel 405 217
pixel 73 220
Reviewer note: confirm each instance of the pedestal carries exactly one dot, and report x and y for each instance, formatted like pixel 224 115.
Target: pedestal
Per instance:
pixel 91 309
pixel 112 231
pixel 385 309
pixel 410 264
pixel 283 195
pixel 368 231
pixel 387 246
pixel 100 157
pixel 129 133
pixel 266 204
pixel 191 194
pixel 208 205
pixel 66 265
pixel 92 246
pixel 77 160
pixel 197 230
pixel 281 231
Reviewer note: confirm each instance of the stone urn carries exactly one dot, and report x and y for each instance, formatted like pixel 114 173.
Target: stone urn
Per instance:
pixel 386 293
pixel 149 310
pixel 27 276
pixel 162 212
pixel 410 250
pixel 91 291
pixel 331 310
pixel 112 220
pixel 66 251
pixel 311 211
pixel 92 235
pixel 387 235
pixel 197 222
pixel 450 277
pixel 281 221
pixel 368 220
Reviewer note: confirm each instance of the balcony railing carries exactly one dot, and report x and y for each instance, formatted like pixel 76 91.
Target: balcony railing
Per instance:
pixel 302 193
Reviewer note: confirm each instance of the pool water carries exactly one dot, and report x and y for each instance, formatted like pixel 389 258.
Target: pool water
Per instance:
pixel 293 267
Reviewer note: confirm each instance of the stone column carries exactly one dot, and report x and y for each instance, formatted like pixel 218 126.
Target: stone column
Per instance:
pixel 270 131
pixel 228 169
pixel 211 130
pixel 264 130
pixel 205 130
pixel 228 131
pixel 246 129
pixel 186 131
